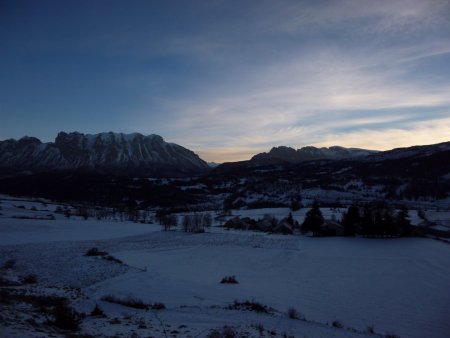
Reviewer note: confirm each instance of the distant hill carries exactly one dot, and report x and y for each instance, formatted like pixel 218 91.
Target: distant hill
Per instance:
pixel 287 155
pixel 106 153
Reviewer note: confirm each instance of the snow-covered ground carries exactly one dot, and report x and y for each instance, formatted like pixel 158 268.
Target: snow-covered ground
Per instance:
pixel 398 286
pixel 19 226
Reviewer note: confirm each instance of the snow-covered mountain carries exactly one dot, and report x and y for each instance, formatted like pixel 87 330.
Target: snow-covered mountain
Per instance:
pixel 409 152
pixel 112 153
pixel 288 154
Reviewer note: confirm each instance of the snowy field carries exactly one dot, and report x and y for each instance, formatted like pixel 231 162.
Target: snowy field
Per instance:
pixel 396 286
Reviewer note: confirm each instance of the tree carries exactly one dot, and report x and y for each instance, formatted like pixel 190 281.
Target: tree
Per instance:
pixel 167 221
pixel 403 223
pixel 295 204
pixel 367 221
pixel 290 219
pixel 351 220
pixel 388 224
pixel 186 222
pixel 67 212
pixel 193 223
pixel 207 220
pixel 314 220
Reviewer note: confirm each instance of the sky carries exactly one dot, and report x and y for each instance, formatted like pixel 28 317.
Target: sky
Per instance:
pixel 229 79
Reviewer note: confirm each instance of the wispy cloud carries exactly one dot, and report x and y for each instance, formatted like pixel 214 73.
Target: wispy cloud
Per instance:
pixel 344 90
pixel 429 132
pixel 232 78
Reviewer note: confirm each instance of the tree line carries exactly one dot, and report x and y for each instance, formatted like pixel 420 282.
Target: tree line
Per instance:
pixel 368 220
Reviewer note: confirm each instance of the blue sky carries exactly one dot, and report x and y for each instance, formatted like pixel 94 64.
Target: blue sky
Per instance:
pixel 229 79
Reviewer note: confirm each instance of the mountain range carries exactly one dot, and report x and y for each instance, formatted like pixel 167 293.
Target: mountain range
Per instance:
pixel 107 153
pixel 288 154
pixel 138 155
pixel 114 169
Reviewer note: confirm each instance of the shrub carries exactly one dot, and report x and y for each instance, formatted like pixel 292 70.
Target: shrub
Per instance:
pixel 337 324
pixel 229 280
pixel 95 252
pixel 9 264
pixel 226 332
pixel 250 306
pixel 370 329
pixel 45 304
pixel 133 302
pixel 158 306
pixel 29 279
pixel 142 324
pixel 129 302
pixel 259 328
pixel 294 314
pixel 391 335
pixel 97 311
pixel 65 317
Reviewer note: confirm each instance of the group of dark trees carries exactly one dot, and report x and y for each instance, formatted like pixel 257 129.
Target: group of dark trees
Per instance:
pixel 196 222
pixel 368 220
pixel 104 190
pixel 268 223
pixel 123 213
pixel 376 220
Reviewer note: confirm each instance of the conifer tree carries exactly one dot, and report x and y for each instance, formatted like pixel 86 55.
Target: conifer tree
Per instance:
pixel 351 220
pixel 403 223
pixel 314 220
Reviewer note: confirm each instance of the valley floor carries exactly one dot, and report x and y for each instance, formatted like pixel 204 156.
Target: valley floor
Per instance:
pixel 393 286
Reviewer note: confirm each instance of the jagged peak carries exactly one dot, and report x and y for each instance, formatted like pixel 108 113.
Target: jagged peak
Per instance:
pixel 103 152
pixel 289 154
pixel 29 139
pixel 108 135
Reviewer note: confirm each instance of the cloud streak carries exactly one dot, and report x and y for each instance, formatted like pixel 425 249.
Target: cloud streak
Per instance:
pixel 336 92
pixel 229 79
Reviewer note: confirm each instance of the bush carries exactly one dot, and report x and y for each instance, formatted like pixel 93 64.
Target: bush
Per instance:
pixel 226 332
pixel 129 302
pixel 391 335
pixel 259 328
pixel 43 303
pixel 337 324
pixel 95 252
pixel 97 312
pixel 29 279
pixel 294 314
pixel 229 280
pixel 133 302
pixel 370 329
pixel 158 306
pixel 65 317
pixel 250 306
pixel 9 264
